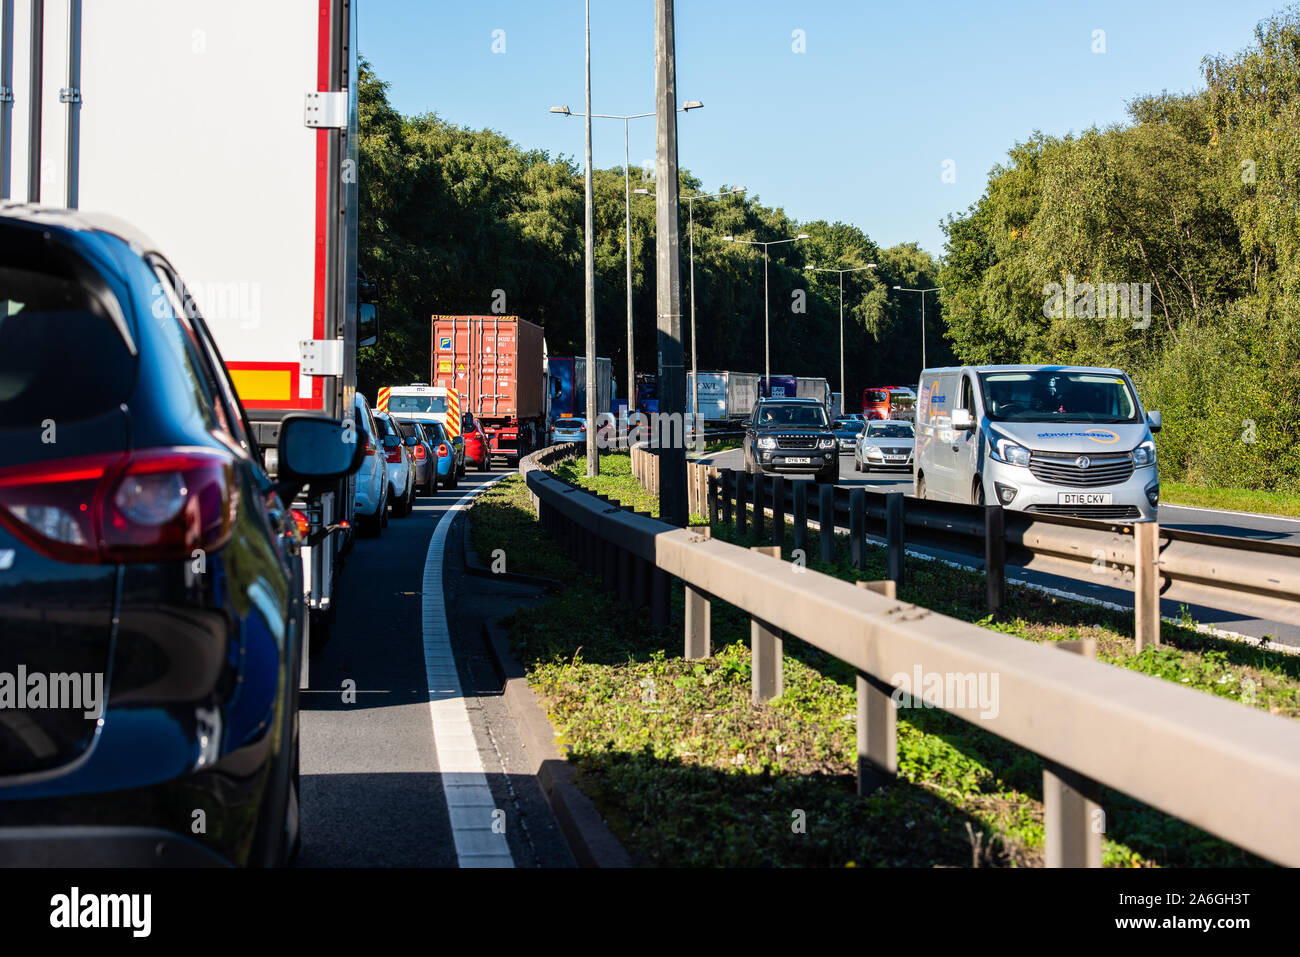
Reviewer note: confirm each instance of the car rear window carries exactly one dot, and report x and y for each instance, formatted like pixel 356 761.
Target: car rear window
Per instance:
pixel 61 354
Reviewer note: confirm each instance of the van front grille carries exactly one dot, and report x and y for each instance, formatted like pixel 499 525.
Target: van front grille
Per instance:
pixel 1081 470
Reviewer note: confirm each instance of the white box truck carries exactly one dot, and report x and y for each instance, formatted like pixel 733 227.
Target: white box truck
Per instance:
pixel 226 131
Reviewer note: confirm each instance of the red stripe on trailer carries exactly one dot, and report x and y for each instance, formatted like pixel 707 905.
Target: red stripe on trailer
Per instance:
pixel 322 194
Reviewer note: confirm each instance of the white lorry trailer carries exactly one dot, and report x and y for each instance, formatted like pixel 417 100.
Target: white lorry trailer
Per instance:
pixel 226 131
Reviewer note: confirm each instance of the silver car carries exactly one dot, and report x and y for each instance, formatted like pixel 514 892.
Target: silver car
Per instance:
pixel 884 446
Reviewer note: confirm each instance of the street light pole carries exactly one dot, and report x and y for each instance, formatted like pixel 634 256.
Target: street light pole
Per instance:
pixel 627 196
pixel 841 272
pixel 922 292
pixel 589 265
pixel 767 356
pixel 627 240
pixel 690 212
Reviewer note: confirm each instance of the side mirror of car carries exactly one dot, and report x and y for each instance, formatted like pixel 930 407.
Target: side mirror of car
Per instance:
pixel 1153 421
pixel 962 419
pixel 315 448
pixel 410 440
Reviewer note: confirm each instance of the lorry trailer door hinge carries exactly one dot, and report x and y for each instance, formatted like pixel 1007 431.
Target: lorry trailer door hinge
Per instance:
pixel 69 94
pixel 321 356
pixel 326 111
pixel 6 94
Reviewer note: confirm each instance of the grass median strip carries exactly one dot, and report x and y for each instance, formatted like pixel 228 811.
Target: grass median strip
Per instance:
pixel 1231 499
pixel 688 772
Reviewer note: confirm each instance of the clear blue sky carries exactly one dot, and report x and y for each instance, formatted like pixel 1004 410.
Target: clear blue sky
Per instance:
pixel 857 128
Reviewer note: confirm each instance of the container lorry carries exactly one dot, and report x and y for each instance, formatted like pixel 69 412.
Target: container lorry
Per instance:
pixel 226 132
pixel 568 386
pixel 497 365
pixel 725 396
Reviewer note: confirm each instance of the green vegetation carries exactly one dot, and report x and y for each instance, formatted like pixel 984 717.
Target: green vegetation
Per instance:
pixel 1233 499
pixel 449 215
pixel 1195 198
pixel 688 772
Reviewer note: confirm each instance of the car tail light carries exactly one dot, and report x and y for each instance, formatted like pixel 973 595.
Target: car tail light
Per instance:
pixel 443 451
pixel 419 453
pixel 150 505
pixel 302 521
pixel 395 454
pixel 366 447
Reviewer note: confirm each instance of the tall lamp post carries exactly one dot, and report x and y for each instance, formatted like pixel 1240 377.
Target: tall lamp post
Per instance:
pixel 922 292
pixel 841 272
pixel 767 355
pixel 627 198
pixel 690 213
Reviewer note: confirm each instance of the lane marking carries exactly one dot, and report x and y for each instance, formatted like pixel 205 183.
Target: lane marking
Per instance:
pixel 470 805
pixel 1226 511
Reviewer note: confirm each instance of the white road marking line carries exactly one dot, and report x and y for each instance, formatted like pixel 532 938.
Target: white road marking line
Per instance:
pixel 1226 511
pixel 470 804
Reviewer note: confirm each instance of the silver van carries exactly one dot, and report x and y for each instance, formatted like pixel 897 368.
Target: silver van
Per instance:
pixel 1059 440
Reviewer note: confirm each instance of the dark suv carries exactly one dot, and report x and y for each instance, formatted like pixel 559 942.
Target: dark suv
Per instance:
pixel 151 584
pixel 791 435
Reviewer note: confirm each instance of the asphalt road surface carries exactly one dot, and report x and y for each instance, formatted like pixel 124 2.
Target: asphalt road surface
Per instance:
pixel 1212 521
pixel 381 787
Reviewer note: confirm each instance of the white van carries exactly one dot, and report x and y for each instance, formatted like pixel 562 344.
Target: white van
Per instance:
pixel 1058 440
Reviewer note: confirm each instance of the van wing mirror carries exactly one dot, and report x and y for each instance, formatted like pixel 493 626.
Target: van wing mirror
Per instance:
pixel 1153 421
pixel 962 419
pixel 367 324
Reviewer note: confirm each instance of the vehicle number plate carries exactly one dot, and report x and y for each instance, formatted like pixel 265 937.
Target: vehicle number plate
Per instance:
pixel 895 458
pixel 1083 498
pixel 799 460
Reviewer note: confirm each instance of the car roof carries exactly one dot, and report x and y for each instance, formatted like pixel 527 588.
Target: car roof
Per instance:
pixel 76 220
pixel 1021 368
pixel 792 399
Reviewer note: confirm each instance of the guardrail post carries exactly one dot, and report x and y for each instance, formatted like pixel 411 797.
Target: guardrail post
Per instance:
pixel 654 472
pixel 778 511
pixel 801 517
pixel 995 557
pixel 712 478
pixel 877 720
pixel 1073 820
pixel 766 650
pixel 742 494
pixel 702 490
pixel 726 486
pixel 625 576
pixel 826 520
pixel 760 480
pixel 660 599
pixel 640 582
pixel 699 618
pixel 1146 585
pixel 857 527
pixel 894 534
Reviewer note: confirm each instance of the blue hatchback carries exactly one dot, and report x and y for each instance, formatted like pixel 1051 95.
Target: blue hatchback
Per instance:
pixel 444 453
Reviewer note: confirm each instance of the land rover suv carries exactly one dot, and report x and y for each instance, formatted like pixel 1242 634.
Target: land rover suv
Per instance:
pixel 791 436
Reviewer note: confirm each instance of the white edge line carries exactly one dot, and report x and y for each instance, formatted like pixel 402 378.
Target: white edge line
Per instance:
pixel 453 733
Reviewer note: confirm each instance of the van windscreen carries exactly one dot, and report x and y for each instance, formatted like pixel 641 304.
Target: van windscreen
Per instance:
pixel 1051 395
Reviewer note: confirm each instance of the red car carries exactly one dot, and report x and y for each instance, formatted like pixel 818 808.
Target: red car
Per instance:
pixel 478 448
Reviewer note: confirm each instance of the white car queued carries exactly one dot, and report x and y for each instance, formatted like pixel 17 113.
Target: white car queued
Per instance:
pixel 884 445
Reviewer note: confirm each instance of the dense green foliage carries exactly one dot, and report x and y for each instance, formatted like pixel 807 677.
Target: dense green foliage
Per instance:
pixel 1195 197
pixel 450 215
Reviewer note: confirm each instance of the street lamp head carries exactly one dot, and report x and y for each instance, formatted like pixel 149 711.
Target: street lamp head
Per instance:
pixel 898 287
pixel 692 105
pixel 642 192
pixel 869 266
pixel 561 109
pixel 728 239
pixel 802 236
pixel 737 189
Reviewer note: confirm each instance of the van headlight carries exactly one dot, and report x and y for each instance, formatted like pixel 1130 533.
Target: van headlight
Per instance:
pixel 827 443
pixel 1145 454
pixel 767 442
pixel 1011 453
